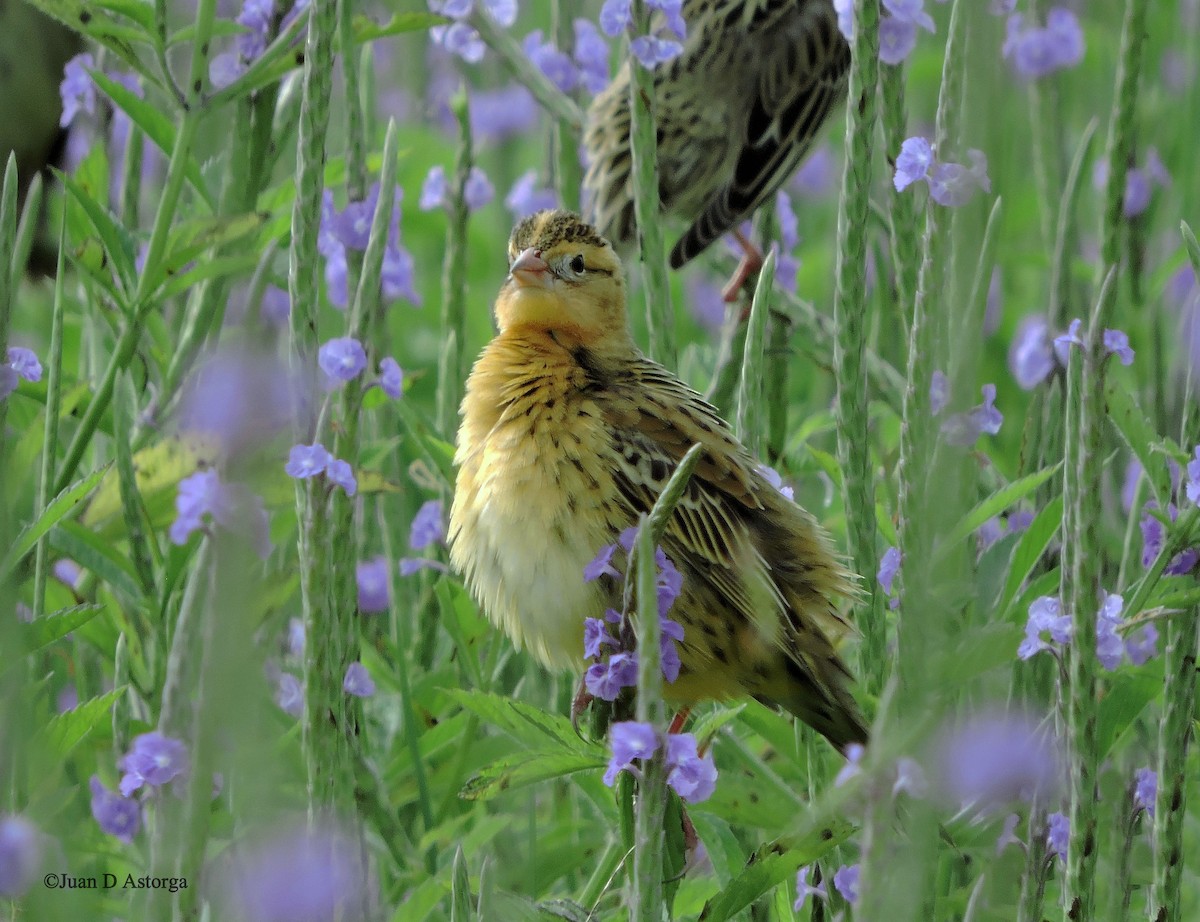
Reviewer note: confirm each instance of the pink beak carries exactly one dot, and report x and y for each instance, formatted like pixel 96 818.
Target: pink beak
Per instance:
pixel 530 269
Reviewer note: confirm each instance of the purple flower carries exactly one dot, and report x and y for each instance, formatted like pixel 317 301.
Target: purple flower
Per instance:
pixel 391 377
pixel 964 429
pixel 605 680
pixel 295 637
pixel 298 873
pixel 897 39
pixel 201 494
pixel 693 777
pixel 912 11
pixel 804 891
pixel 20 856
pixel 1193 477
pixel 616 16
pixel 78 90
pixel 289 695
pixel 774 479
pixel 307 460
pixel 629 740
pixel 1037 52
pixel 591 56
pixel 460 39
pixel 845 879
pixel 939 392
pixel 1141 646
pixel 913 163
pixel 433 189
pixel 595 634
pixel 889 566
pixel 952 184
pixel 8 380
pixel 1145 789
pixel 993 758
pixel 410 565
pixel 25 363
pixel 340 473
pixel 478 190
pixel 352 226
pixel 396 279
pixel 555 64
pixel 1008 833
pixel 526 197
pixel 1109 648
pixel 372 579
pixel 428 526
pixel 845 18
pixel 1058 833
pixel 853 766
pixel 116 815
pixel 1045 617
pixel 789 224
pixel 650 50
pixel 1154 535
pixel 1117 343
pixel 601 565
pixel 1031 357
pixel 67 572
pixel 154 759
pixel 342 359
pixel 358 681
pixel 671 633
pixel 243 398
pixel 668 582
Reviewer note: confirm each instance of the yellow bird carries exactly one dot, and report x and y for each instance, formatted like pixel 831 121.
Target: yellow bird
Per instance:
pixel 569 433
pixel 737 112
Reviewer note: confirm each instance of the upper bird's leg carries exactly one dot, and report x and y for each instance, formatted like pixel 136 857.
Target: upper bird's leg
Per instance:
pixel 681 717
pixel 582 699
pixel 751 262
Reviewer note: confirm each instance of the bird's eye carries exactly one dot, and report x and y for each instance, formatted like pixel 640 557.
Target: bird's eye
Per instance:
pixel 576 264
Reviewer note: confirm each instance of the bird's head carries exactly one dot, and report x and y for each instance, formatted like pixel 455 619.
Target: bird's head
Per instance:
pixel 564 278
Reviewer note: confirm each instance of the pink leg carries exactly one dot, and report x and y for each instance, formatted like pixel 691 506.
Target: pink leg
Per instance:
pixel 749 265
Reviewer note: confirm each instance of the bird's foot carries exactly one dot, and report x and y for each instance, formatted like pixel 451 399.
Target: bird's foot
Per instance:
pixel 679 720
pixel 749 265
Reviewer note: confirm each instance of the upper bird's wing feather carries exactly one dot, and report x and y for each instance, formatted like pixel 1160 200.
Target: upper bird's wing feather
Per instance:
pixel 802 79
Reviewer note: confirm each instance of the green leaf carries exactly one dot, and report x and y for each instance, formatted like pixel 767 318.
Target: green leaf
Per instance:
pixel 1031 547
pixel 1134 425
pixel 117 243
pixel 91 19
pixel 221 267
pixel 192 238
pixel 66 731
pixel 98 555
pixel 995 504
pixel 460 890
pixel 769 866
pixel 58 509
pixel 526 723
pixel 158 128
pixel 45 630
pixel 1126 694
pixel 140 12
pixel 527 767
pixel 366 29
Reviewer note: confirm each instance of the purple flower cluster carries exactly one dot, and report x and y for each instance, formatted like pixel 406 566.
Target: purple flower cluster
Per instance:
pixel 116 815
pixel 350 229
pixel 787 266
pixel 964 429
pixel 1058 833
pixel 20 856
pixel 460 38
pixel 372 579
pixel 1038 51
pixel 692 776
pixel 153 761
pixel 992 758
pixel 845 881
pixel 1154 523
pixel 258 19
pixel 607 677
pixel 77 89
pixel 526 197
pixel 616 16
pixel 228 504
pixel 427 529
pixel 1140 182
pixel 477 191
pixel 1034 354
pixel 950 184
pixel 995 528
pixel 889 566
pixel 22 363
pixel 310 460
pixel 1145 789
pixel 1047 617
pixel 358 681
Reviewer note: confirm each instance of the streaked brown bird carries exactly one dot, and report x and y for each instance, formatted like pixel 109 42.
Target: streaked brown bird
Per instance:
pixel 737 112
pixel 569 434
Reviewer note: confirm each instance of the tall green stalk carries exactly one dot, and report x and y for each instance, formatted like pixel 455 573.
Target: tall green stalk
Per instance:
pixel 452 370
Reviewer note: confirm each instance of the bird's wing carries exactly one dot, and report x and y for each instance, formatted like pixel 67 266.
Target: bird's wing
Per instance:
pixel 803 77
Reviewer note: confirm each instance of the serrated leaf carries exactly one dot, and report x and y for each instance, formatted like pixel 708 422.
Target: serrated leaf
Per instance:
pixel 995 504
pixel 525 768
pixel 57 510
pixel 65 731
pixel 769 866
pixel 45 630
pixel 526 723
